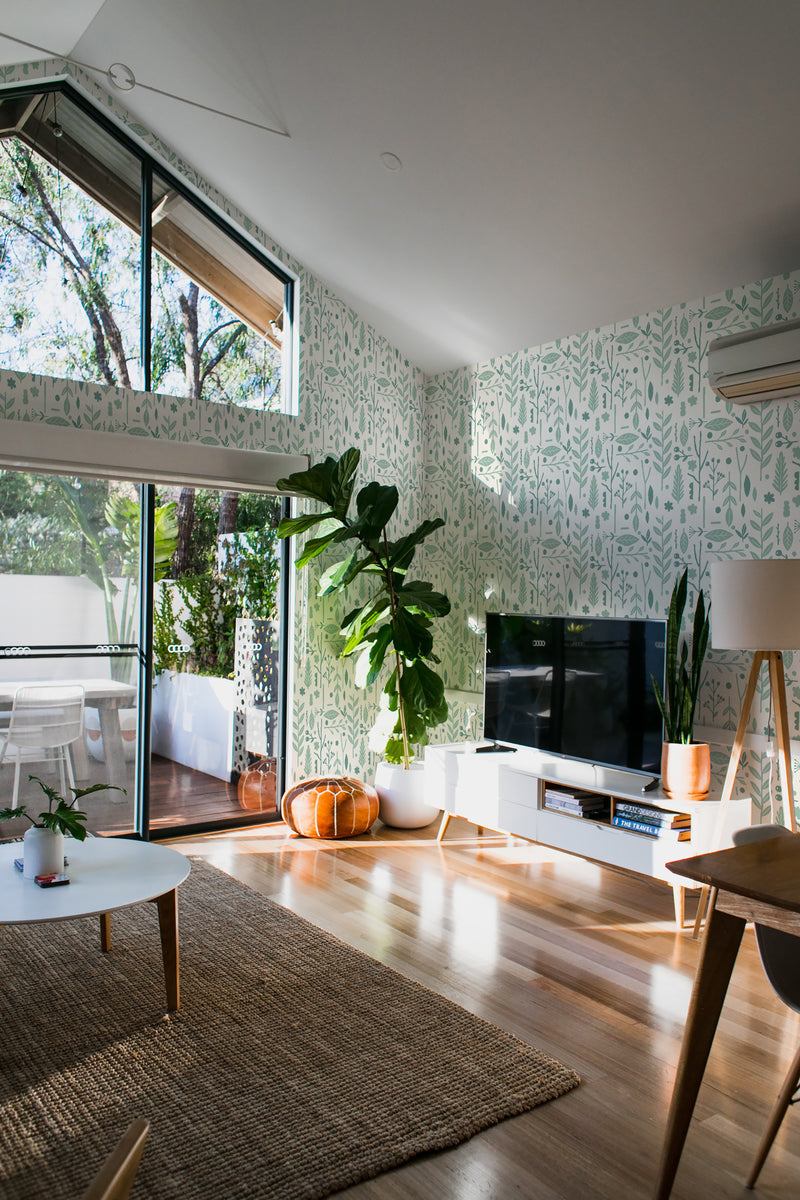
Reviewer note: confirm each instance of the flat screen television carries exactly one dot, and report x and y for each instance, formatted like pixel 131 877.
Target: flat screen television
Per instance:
pixel 576 686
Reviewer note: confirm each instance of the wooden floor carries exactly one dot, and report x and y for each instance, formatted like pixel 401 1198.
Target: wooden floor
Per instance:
pixel 580 961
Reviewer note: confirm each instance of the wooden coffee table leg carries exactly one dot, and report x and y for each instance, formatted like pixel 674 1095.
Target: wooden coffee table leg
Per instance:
pixel 105 932
pixel 168 925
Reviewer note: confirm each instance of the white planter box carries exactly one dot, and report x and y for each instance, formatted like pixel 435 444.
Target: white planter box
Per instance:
pixel 193 722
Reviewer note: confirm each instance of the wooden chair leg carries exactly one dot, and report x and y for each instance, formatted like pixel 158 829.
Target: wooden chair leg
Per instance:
pixel 443 827
pixel 105 932
pixel 775 1118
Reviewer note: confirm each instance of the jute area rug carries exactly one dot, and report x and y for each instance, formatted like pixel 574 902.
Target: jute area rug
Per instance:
pixel 296 1066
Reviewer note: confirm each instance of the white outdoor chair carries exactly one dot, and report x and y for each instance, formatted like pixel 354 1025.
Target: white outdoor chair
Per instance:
pixel 45 720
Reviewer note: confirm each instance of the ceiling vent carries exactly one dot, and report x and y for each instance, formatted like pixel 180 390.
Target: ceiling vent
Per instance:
pixel 762 364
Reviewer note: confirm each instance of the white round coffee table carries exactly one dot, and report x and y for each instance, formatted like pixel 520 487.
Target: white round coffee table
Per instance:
pixel 105 874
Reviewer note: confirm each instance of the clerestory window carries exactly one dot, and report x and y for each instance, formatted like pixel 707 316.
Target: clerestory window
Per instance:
pixel 113 271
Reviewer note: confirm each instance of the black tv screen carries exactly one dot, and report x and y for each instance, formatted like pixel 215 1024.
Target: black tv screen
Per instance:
pixel 576 686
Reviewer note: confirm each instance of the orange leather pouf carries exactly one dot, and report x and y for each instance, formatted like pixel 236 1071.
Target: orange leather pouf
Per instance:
pixel 330 807
pixel 257 788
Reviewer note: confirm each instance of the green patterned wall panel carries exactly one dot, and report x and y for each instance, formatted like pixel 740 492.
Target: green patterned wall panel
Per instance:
pixel 588 472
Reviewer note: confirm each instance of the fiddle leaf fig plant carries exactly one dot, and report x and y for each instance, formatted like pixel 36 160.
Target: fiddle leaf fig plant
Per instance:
pixel 392 626
pixel 64 817
pixel 682 674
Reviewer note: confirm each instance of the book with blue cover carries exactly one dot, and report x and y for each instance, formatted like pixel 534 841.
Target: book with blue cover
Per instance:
pixel 679 834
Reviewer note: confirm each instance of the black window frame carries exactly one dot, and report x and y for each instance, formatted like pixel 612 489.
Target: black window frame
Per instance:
pixel 150 165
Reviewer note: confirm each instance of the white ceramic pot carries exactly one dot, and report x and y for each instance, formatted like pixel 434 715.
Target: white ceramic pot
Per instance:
pixel 402 796
pixel 42 852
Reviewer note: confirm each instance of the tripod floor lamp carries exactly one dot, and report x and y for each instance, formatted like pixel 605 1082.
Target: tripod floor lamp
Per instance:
pixel 756 606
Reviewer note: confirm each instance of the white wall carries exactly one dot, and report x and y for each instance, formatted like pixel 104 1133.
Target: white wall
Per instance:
pixel 44 610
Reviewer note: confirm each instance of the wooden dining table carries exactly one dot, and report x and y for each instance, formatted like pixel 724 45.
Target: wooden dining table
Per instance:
pixel 107 696
pixel 758 881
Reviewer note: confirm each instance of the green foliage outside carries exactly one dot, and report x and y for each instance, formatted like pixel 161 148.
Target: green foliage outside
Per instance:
pixel 70 292
pixel 393 626
pixel 239 580
pixel 70 307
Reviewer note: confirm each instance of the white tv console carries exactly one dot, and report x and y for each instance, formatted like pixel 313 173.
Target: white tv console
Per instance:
pixel 504 791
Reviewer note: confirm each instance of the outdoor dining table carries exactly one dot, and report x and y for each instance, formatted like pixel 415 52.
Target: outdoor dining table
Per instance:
pixel 107 696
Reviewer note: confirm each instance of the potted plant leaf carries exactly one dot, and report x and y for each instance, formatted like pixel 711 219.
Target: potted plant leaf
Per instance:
pixel 390 629
pixel 685 764
pixel 43 843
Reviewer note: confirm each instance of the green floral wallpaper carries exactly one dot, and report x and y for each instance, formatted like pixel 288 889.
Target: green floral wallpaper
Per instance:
pixel 579 476
pixel 582 476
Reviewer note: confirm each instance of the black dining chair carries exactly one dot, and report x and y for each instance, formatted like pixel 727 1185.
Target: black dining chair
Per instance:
pixel 780 957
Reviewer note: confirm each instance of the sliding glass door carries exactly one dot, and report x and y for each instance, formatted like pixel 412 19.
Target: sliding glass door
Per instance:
pixel 69 627
pixel 215 695
pixel 192 659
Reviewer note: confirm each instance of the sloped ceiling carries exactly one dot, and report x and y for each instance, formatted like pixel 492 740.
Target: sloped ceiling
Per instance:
pixel 565 163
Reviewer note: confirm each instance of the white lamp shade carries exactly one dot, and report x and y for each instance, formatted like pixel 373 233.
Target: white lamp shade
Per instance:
pixel 755 604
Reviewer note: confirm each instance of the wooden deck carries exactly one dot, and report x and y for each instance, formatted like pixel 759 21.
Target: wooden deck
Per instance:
pixel 179 798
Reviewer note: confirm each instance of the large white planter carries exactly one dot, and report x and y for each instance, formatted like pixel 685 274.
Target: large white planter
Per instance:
pixel 402 796
pixel 42 852
pixel 128 721
pixel 193 722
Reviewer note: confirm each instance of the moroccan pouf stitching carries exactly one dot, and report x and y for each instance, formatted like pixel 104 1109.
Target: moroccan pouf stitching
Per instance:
pixel 330 807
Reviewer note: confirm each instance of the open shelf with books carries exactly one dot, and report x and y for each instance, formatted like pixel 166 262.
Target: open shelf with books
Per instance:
pixel 597 812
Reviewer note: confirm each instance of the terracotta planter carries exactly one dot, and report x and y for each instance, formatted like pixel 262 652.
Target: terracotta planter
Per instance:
pixel 257 786
pixel 685 770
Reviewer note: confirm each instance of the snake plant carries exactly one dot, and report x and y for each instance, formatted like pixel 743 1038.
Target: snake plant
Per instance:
pixel 682 671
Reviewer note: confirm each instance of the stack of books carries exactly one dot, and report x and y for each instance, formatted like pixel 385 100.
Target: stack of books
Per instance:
pixel 578 803
pixel 655 822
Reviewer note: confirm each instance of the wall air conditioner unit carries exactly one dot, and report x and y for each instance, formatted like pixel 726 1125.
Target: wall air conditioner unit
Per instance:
pixel 762 364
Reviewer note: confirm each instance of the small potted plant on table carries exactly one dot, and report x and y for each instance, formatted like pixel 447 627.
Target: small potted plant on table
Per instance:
pixel 43 843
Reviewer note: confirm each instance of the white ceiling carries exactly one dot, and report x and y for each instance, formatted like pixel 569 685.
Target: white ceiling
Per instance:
pixel 566 163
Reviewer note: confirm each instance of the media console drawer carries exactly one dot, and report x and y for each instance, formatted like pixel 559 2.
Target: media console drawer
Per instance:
pixel 607 844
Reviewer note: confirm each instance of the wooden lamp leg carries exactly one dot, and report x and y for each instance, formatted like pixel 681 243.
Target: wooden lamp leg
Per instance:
pixel 777 683
pixel 733 767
